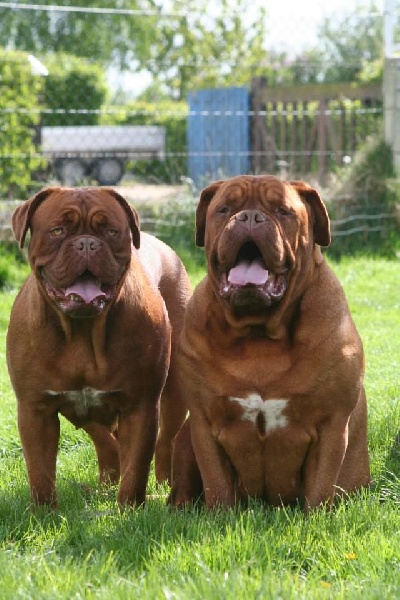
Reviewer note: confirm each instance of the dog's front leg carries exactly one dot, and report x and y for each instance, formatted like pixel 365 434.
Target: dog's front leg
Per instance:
pixel 136 436
pixel 39 435
pixel 217 472
pixel 324 462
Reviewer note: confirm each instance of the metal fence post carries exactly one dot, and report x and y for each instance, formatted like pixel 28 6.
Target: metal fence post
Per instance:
pixel 391 84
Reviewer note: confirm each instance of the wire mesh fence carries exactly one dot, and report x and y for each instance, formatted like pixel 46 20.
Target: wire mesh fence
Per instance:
pixel 107 93
pixel 85 126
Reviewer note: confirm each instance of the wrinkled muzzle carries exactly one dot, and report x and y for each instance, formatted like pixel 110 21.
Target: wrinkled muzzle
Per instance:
pixel 251 261
pixel 84 278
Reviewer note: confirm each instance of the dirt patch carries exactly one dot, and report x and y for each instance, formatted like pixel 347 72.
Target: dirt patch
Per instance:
pixel 152 194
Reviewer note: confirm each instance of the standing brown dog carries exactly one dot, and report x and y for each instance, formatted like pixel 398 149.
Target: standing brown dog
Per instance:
pixel 90 338
pixel 272 365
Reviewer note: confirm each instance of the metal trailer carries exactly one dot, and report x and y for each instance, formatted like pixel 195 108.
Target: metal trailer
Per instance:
pixel 100 151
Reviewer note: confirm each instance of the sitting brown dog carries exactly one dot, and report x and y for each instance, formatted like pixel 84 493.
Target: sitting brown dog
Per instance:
pixel 90 338
pixel 271 362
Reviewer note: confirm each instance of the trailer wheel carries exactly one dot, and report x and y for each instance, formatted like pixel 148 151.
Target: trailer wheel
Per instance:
pixel 70 171
pixel 108 171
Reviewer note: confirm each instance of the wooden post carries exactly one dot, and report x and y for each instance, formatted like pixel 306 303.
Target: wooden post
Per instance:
pixel 257 122
pixel 391 93
pixel 322 141
pixel 262 146
pixel 391 84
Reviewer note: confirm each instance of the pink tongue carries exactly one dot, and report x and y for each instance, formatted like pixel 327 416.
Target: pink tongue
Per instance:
pixel 86 288
pixel 248 272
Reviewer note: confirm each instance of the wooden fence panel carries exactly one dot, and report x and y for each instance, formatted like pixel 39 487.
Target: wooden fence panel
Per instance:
pixel 311 128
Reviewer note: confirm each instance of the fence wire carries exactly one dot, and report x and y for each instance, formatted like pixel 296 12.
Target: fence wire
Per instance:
pixel 71 94
pixel 69 117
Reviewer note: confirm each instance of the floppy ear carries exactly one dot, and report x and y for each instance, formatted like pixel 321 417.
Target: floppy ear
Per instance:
pixel 22 216
pixel 322 227
pixel 205 198
pixel 132 215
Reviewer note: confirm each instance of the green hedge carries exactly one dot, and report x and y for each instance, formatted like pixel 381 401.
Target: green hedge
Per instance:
pixel 167 113
pixel 19 116
pixel 14 268
pixel 74 91
pixel 367 189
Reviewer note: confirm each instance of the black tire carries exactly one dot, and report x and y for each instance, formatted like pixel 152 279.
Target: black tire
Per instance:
pixel 108 171
pixel 70 171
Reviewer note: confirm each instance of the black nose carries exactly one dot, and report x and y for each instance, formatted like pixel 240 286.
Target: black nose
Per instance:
pixel 251 217
pixel 86 244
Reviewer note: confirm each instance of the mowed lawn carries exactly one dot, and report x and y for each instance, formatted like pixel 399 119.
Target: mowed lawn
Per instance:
pixel 87 549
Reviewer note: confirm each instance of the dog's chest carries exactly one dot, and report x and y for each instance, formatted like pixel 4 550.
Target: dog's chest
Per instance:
pixel 266 415
pixel 266 442
pixel 80 400
pixel 262 416
pixel 257 390
pixel 86 404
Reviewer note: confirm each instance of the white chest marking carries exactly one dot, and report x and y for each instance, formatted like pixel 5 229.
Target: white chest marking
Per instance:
pixel 271 411
pixel 83 399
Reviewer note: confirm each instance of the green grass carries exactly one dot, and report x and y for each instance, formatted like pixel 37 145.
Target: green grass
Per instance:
pixel 87 549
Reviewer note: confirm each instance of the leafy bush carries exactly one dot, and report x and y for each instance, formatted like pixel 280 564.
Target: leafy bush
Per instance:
pixel 13 266
pixel 74 91
pixel 367 190
pixel 166 113
pixel 19 118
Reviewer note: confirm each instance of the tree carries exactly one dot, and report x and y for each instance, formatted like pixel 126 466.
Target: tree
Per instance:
pixel 19 118
pixel 74 91
pixel 349 44
pixel 198 47
pixel 349 48
pixel 109 37
pixel 188 46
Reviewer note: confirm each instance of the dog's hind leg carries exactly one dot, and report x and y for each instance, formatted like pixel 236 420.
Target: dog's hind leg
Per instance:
pixel 186 484
pixel 172 415
pixel 107 450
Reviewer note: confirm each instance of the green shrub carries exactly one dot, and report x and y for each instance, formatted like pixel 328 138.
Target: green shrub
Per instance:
pixel 19 118
pixel 13 266
pixel 74 91
pixel 367 190
pixel 167 113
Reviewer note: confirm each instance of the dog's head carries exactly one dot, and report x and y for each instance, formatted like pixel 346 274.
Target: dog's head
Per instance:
pixel 258 232
pixel 80 247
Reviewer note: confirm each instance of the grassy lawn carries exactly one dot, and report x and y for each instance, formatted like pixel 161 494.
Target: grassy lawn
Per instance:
pixel 87 549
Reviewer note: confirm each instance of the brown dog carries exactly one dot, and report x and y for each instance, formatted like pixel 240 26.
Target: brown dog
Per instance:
pixel 272 365
pixel 90 338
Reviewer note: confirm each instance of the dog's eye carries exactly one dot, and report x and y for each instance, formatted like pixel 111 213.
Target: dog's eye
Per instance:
pixel 57 231
pixel 282 211
pixel 112 232
pixel 222 210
